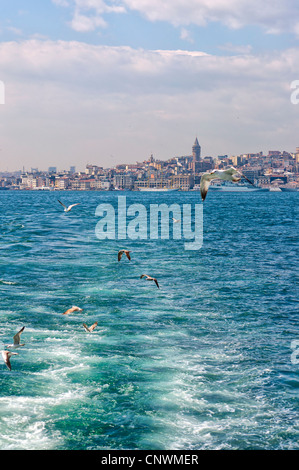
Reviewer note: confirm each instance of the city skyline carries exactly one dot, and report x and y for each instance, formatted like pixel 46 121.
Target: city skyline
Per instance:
pixel 182 172
pixel 110 82
pixel 144 158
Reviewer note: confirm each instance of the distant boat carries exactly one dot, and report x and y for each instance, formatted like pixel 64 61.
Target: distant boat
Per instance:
pixel 288 189
pixel 234 188
pixel 159 189
pixel 42 188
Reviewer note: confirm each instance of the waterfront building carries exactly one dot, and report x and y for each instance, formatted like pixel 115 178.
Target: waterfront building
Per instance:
pixel 62 183
pixel 159 182
pixel 123 181
pixel 183 182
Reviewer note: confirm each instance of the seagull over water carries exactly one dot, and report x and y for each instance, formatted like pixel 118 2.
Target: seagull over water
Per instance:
pixel 67 209
pixel 230 174
pixel 121 252
pixel 6 357
pixel 16 340
pixel 73 309
pixel 149 278
pixel 89 329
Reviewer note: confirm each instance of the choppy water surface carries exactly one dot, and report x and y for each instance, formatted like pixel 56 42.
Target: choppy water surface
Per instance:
pixel 204 362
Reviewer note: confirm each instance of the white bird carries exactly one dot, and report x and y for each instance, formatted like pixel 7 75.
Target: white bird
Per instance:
pixel 175 221
pixel 6 357
pixel 149 278
pixel 127 253
pixel 73 309
pixel 231 174
pixel 90 328
pixel 67 209
pixel 16 340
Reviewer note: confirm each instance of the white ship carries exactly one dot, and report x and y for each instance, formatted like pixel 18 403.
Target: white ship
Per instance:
pixel 234 187
pixel 158 189
pixel 288 188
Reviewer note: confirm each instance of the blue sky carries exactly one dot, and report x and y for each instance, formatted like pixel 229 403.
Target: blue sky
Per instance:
pixel 105 82
pixel 48 19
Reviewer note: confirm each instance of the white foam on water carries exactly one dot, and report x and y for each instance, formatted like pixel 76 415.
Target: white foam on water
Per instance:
pixel 23 424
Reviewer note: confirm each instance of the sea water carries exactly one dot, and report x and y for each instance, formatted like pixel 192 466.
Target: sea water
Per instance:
pixel 203 362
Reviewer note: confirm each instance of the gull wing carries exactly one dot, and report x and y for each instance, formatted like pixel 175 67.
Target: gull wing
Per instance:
pixel 61 203
pixel 128 255
pixel 72 309
pixel 205 182
pixel 7 360
pixel 156 282
pixel 73 205
pixel 120 253
pixel 247 180
pixel 92 327
pixel 16 338
pixel 69 310
pixel 6 357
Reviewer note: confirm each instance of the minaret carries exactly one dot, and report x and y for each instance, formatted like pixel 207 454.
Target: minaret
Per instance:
pixel 196 155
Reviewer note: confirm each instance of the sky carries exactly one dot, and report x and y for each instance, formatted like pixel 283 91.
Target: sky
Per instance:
pixel 106 82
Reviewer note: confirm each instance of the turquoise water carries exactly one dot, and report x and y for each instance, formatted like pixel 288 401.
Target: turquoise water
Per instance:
pixel 204 362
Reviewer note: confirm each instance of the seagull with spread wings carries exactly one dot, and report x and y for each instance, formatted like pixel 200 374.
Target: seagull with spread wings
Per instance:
pixel 16 340
pixel 149 278
pixel 126 252
pixel 230 174
pixel 89 329
pixel 73 309
pixel 68 208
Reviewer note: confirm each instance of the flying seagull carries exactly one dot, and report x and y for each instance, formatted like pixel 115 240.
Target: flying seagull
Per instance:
pixel 73 309
pixel 121 252
pixel 175 221
pixel 231 174
pixel 67 209
pixel 90 328
pixel 16 340
pixel 6 357
pixel 149 278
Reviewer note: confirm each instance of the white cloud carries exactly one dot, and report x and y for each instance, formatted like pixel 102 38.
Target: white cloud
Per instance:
pixel 73 102
pixel 275 16
pixel 270 14
pixel 61 3
pixel 186 36
pixel 83 23
pixel 88 14
pixel 14 30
